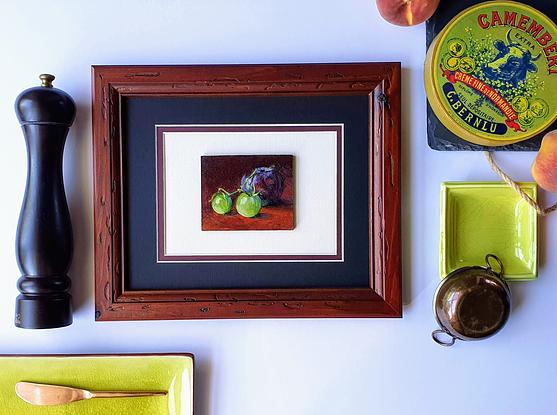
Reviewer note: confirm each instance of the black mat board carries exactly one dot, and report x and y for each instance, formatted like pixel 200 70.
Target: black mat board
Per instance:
pixel 139 117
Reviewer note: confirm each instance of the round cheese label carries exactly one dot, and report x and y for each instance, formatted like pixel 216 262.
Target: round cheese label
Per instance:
pixel 491 74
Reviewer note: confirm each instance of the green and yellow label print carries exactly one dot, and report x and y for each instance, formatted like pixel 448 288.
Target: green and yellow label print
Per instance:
pixel 493 73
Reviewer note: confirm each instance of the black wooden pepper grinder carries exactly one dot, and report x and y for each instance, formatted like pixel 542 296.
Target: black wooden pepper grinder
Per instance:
pixel 44 243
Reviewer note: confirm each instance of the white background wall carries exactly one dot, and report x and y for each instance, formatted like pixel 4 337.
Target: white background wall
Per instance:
pixel 301 367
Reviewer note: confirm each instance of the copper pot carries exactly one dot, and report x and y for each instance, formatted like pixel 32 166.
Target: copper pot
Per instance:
pixel 471 303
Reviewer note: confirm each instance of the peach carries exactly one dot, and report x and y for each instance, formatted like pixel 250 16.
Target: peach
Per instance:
pixel 407 12
pixel 544 169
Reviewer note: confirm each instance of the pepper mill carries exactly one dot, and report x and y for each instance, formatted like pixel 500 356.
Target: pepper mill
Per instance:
pixel 44 243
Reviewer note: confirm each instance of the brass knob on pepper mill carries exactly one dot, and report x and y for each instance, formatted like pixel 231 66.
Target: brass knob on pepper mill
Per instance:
pixel 44 243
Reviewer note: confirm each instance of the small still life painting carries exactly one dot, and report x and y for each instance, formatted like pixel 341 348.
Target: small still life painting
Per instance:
pixel 247 192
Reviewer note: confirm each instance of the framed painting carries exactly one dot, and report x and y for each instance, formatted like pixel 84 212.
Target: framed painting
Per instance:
pixel 247 191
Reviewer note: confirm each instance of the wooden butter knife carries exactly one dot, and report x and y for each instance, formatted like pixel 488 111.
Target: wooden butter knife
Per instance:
pixel 43 394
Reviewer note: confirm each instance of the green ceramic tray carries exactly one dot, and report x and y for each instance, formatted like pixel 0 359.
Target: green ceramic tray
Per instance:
pixel 173 373
pixel 478 218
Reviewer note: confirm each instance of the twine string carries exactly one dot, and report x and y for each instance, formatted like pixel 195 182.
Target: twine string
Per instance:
pixel 516 187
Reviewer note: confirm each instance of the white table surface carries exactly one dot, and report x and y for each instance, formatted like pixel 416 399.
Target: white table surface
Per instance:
pixel 258 367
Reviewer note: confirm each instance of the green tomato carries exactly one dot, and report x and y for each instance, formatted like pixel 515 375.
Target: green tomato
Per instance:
pixel 221 203
pixel 247 205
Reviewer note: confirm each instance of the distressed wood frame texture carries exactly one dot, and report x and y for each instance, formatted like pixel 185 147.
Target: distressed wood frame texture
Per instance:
pixel 379 81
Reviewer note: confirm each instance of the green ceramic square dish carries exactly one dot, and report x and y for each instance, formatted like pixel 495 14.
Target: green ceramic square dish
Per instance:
pixel 170 372
pixel 478 218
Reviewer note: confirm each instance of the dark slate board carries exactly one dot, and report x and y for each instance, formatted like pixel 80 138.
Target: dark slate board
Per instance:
pixel 438 136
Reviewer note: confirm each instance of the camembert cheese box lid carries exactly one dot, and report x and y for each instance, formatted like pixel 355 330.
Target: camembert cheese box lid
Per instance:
pixel 491 73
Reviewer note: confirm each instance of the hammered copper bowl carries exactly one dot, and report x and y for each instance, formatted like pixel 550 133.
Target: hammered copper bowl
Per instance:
pixel 471 303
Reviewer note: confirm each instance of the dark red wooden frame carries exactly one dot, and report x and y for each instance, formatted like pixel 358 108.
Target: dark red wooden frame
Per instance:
pixel 379 81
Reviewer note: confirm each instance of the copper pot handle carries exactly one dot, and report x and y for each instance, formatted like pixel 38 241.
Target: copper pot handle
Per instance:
pixel 439 340
pixel 490 268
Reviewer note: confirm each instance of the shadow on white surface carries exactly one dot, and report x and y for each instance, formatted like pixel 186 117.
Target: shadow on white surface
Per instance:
pixel 406 191
pixel 77 177
pixel 202 386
